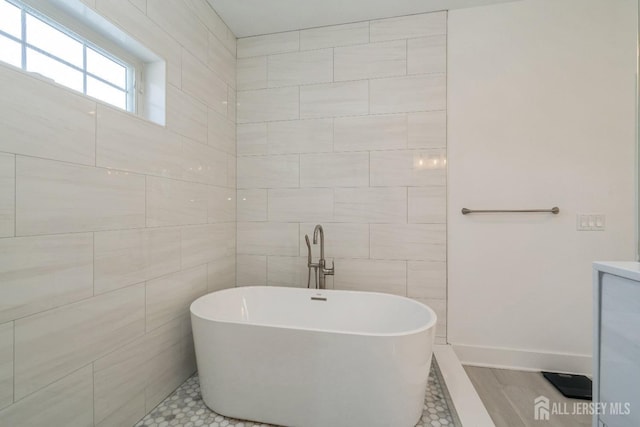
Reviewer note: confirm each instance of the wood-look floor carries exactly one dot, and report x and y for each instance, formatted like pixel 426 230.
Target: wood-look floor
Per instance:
pixel 508 396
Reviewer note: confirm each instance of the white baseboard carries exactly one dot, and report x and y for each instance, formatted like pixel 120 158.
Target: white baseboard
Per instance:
pixel 523 360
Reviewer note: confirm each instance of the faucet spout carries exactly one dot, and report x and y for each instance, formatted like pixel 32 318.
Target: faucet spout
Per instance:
pixel 316 231
pixel 321 265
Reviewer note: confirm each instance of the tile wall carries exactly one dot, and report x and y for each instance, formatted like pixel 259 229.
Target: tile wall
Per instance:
pixel 346 126
pixel 111 225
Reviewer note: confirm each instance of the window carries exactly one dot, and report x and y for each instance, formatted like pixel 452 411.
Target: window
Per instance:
pixel 35 43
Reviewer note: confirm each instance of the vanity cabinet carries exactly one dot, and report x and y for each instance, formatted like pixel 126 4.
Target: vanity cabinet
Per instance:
pixel 616 344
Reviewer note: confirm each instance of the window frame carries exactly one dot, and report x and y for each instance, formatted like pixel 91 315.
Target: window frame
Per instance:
pixel 89 40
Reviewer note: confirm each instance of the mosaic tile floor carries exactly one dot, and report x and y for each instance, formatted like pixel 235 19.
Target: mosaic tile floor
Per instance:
pixel 185 408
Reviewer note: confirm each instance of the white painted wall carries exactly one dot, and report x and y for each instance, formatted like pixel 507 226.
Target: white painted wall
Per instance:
pixel 541 113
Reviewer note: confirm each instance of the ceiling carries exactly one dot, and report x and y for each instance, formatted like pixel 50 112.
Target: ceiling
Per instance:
pixel 254 17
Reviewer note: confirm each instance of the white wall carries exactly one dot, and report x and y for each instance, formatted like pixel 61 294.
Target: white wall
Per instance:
pixel 541 113
pixel 346 126
pixel 111 225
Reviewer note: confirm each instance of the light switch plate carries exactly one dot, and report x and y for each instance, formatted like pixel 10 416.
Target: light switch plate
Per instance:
pixel 590 222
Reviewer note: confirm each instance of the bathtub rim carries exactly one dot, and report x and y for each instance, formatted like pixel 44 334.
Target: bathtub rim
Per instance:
pixel 431 324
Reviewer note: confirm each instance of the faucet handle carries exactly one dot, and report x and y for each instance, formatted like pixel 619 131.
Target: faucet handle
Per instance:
pixel 306 239
pixel 330 271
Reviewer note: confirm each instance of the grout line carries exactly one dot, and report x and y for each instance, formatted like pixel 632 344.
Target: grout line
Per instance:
pixel 447 177
pixel 93 390
pixel 406 279
pixel 15 195
pixel 333 74
pixel 95 136
pixel 13 391
pixel 369 158
pixel 406 57
pixel 407 199
pixel 93 265
pixel 146 326
pixel 146 190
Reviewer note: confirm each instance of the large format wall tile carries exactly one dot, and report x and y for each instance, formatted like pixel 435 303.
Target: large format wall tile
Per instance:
pixel 427 279
pixel 252 205
pixel 221 204
pixel 54 343
pixel 196 243
pixel 273 238
pixel 169 297
pixel 214 23
pixel 221 274
pixel 130 143
pixel 408 168
pixel 252 139
pixel 132 411
pixel 186 28
pixel 334 170
pixel 6 365
pixel 301 205
pixel 220 59
pixel 300 136
pixel 334 100
pixel 127 257
pixel 268 105
pixel 42 272
pixel 287 271
pixel 67 402
pixel 201 82
pixel 251 270
pixel 370 140
pixel 335 35
pixel 408 27
pixel 44 120
pixel 54 197
pixel 299 68
pixel 427 205
pixel 232 105
pixel 407 94
pixel 419 242
pixel 75 179
pixel 121 377
pixel 252 73
pixel 371 275
pixel 140 26
pixel 382 132
pixel 427 129
pixel 221 132
pixel 427 55
pixel 268 171
pixel 7 194
pixel 341 240
pixel 186 115
pixel 371 61
pixel 371 205
pixel 268 44
pixel 203 163
pixel 171 367
pixel 171 202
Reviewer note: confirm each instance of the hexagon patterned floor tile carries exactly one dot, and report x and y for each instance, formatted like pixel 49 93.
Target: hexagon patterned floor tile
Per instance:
pixel 185 408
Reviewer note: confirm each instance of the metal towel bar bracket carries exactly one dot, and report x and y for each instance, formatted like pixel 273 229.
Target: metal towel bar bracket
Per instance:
pixel 554 210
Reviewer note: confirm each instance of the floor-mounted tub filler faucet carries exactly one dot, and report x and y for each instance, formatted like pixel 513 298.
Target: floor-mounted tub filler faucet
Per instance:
pixel 319 268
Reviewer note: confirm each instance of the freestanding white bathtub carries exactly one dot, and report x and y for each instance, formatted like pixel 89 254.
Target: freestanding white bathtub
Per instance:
pixel 317 358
